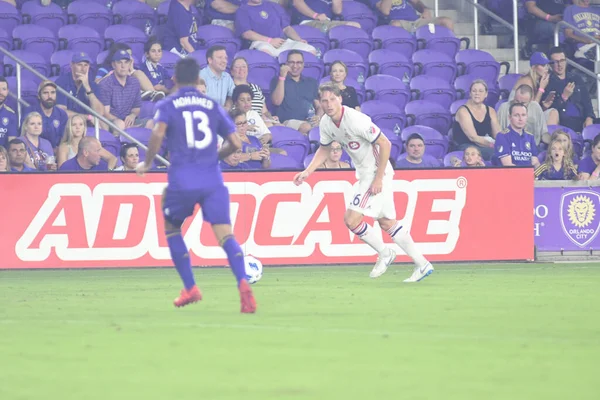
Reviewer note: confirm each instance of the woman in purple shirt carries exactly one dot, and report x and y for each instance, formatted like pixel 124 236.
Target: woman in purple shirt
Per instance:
pixel 39 150
pixel 254 153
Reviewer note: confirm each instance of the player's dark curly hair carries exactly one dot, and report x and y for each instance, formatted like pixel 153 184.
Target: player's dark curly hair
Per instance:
pixel 187 72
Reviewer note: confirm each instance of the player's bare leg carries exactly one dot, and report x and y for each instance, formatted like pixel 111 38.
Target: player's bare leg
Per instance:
pixel 402 238
pixel 366 233
pixel 227 241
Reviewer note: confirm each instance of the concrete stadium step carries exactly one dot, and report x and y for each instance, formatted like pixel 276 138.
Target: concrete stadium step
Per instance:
pixel 486 42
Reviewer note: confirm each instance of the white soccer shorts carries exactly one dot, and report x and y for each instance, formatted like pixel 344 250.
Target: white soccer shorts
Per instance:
pixel 376 206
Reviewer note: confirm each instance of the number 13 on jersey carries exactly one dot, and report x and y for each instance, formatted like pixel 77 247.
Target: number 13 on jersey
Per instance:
pixel 196 124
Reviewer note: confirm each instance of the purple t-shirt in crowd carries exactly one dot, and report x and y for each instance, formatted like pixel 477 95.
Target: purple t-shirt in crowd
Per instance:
pixel 587 165
pixel 53 126
pixel 73 165
pixel 268 19
pixel 157 74
pixel 121 99
pixel 318 6
pixel 240 167
pixel 211 13
pixel 38 154
pixel 254 145
pixel 401 10
pixel 193 121
pixel 585 18
pixel 519 147
pixel 425 163
pixel 180 23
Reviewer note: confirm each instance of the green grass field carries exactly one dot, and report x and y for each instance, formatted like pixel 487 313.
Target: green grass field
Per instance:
pixel 467 332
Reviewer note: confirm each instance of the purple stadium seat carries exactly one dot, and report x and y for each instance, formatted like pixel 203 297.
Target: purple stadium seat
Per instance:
pixel 575 137
pixel 395 39
pixel 387 88
pixel 436 144
pixel 91 14
pixel 427 113
pixel 293 142
pixel 314 37
pixel 351 38
pixel 147 109
pixel 211 35
pixel 360 91
pixel 36 61
pixel 51 16
pixel 358 12
pixel 162 11
pixel 81 38
pixel 433 89
pixel 10 17
pixel 262 68
pixel 314 137
pixel 128 34
pixel 506 83
pixel 60 62
pixel 35 39
pixel 279 161
pixel 28 91
pixel 396 142
pixel 450 156
pixel 169 60
pixel 435 63
pixel 5 40
pixel 389 62
pixel 456 105
pixel 384 115
pixel 499 103
pixel 462 84
pixel 134 13
pixel 355 62
pixel 480 63
pixel 200 57
pixel 313 67
pixel 442 39
pixel 111 143
pixel 428 158
pixel 588 135
pixel 542 156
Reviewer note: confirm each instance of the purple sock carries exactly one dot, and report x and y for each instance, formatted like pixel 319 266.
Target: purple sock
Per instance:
pixel 181 258
pixel 235 257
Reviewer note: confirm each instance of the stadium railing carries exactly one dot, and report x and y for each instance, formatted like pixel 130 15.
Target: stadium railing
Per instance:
pixel 97 117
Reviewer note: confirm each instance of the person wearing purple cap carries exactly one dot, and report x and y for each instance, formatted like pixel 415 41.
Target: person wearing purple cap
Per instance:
pixel 88 157
pixel 80 86
pixel 120 94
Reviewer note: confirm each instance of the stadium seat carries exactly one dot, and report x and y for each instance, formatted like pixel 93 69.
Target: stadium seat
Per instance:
pixel 28 91
pixel 51 16
pixel 162 11
pixel 433 89
pixel 314 37
pixel 212 35
pixel 279 161
pixel 80 38
pixel 293 142
pixel 434 63
pixel 60 62
pixel 450 156
pixel 388 62
pixel 396 143
pixel 456 104
pixel 313 67
pixel 90 14
pixel 479 63
pixel 442 39
pixel 506 84
pixel 354 61
pixel 133 37
pixel 436 144
pixel 385 115
pixel 10 17
pixel 387 88
pixel 169 60
pixel 134 13
pixel 427 113
pixel 588 135
pixel 35 39
pixel 36 61
pixel 262 68
pixel 5 40
pixel 394 38
pixel 314 138
pixel 200 57
pixel 147 109
pixel 351 38
pixel 358 12
pixel 360 91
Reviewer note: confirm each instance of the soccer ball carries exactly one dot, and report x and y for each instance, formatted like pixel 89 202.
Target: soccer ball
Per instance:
pixel 254 269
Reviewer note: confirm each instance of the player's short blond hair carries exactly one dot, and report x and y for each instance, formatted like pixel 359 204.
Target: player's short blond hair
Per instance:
pixel 329 87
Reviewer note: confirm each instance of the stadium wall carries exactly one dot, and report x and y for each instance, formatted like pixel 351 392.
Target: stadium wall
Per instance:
pixel 114 220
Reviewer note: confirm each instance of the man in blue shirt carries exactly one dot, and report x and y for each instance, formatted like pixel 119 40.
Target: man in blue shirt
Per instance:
pixel 219 84
pixel 514 146
pixel 54 119
pixel 17 152
pixel 191 123
pixel 88 157
pixel 415 152
pixel 79 85
pixel 8 118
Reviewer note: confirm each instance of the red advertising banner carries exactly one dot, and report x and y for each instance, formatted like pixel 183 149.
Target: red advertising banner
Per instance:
pixel 114 219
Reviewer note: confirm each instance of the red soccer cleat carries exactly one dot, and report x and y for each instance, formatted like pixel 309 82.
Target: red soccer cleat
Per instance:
pixel 247 298
pixel 188 296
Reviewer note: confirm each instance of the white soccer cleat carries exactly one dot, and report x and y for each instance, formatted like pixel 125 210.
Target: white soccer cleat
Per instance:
pixel 420 273
pixel 382 264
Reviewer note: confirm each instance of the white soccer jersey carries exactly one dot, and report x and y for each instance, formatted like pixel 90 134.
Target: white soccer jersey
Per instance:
pixel 356 133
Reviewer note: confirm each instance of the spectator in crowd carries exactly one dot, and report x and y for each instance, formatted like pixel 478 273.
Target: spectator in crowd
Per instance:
pixel 120 94
pixel 39 150
pixel 319 14
pixel 572 99
pixel 557 166
pixel 403 13
pixel 333 160
pixel 157 74
pixel 222 12
pixel 565 139
pixel 471 158
pixel 69 144
pixel 476 123
pixel 514 146
pixel 589 167
pixel 267 27
pixel 8 117
pixel 54 119
pixel 255 154
pixel 295 95
pixel 415 149
pixel 545 14
pixel 17 154
pixel 219 84
pixel 146 87
pixel 130 157
pixel 536 121
pixel 80 86
pixel 88 157
pixel 233 163
pixel 201 86
pixel 338 74
pixel 587 19
pixel 242 100
pixel 537 78
pixel 4 164
pixel 179 34
pixel 239 73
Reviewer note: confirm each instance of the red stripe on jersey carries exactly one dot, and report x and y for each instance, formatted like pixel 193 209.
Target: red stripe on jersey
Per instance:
pixel 341 117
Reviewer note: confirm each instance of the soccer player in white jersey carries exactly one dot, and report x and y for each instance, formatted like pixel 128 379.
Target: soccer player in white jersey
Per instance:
pixel 372 195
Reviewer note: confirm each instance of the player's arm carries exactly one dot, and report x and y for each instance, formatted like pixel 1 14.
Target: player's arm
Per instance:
pixel 385 148
pixel 231 144
pixel 155 142
pixel 320 157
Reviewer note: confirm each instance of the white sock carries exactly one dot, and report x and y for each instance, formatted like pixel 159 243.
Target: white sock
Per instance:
pixel 366 233
pixel 403 239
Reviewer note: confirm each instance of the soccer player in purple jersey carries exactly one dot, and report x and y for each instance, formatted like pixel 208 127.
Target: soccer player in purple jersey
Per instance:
pixel 190 122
